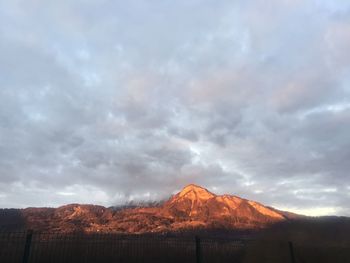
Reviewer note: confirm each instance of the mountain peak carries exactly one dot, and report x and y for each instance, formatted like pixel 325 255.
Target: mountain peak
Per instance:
pixel 193 207
pixel 196 191
pixel 193 186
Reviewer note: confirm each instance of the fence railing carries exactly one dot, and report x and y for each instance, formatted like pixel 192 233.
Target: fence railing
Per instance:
pixel 33 247
pixel 29 247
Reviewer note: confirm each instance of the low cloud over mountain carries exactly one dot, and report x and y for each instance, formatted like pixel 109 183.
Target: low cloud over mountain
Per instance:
pixel 194 208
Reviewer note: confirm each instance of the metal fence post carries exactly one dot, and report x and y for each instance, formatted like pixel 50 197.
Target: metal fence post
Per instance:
pixel 291 250
pixel 27 246
pixel 198 250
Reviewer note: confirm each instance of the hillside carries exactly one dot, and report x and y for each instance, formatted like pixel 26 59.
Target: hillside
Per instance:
pixel 192 208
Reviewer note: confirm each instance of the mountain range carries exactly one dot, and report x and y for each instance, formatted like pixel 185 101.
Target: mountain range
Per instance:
pixel 192 208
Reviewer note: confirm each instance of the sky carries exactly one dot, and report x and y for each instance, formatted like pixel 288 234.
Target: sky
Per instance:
pixel 107 102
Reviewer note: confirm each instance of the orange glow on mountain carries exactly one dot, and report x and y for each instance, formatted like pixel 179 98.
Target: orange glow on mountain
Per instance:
pixel 194 207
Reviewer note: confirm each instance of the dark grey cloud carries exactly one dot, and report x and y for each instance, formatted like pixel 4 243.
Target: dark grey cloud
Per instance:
pixel 107 101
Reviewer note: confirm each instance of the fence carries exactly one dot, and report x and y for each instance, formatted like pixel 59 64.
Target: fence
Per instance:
pixel 28 247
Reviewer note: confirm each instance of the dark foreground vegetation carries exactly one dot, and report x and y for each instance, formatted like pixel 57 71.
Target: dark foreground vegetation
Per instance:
pixel 301 241
pixel 49 247
pixel 310 240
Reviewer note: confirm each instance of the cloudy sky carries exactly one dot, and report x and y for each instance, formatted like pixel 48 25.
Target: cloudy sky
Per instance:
pixel 110 101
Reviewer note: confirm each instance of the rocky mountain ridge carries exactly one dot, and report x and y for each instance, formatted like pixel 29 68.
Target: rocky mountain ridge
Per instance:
pixel 192 208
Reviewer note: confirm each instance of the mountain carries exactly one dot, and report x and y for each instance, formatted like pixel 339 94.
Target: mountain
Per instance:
pixel 192 208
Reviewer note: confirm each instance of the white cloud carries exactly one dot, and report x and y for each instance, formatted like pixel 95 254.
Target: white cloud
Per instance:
pixel 135 99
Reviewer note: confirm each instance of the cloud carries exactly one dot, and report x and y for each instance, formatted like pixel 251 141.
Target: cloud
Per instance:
pixel 104 101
